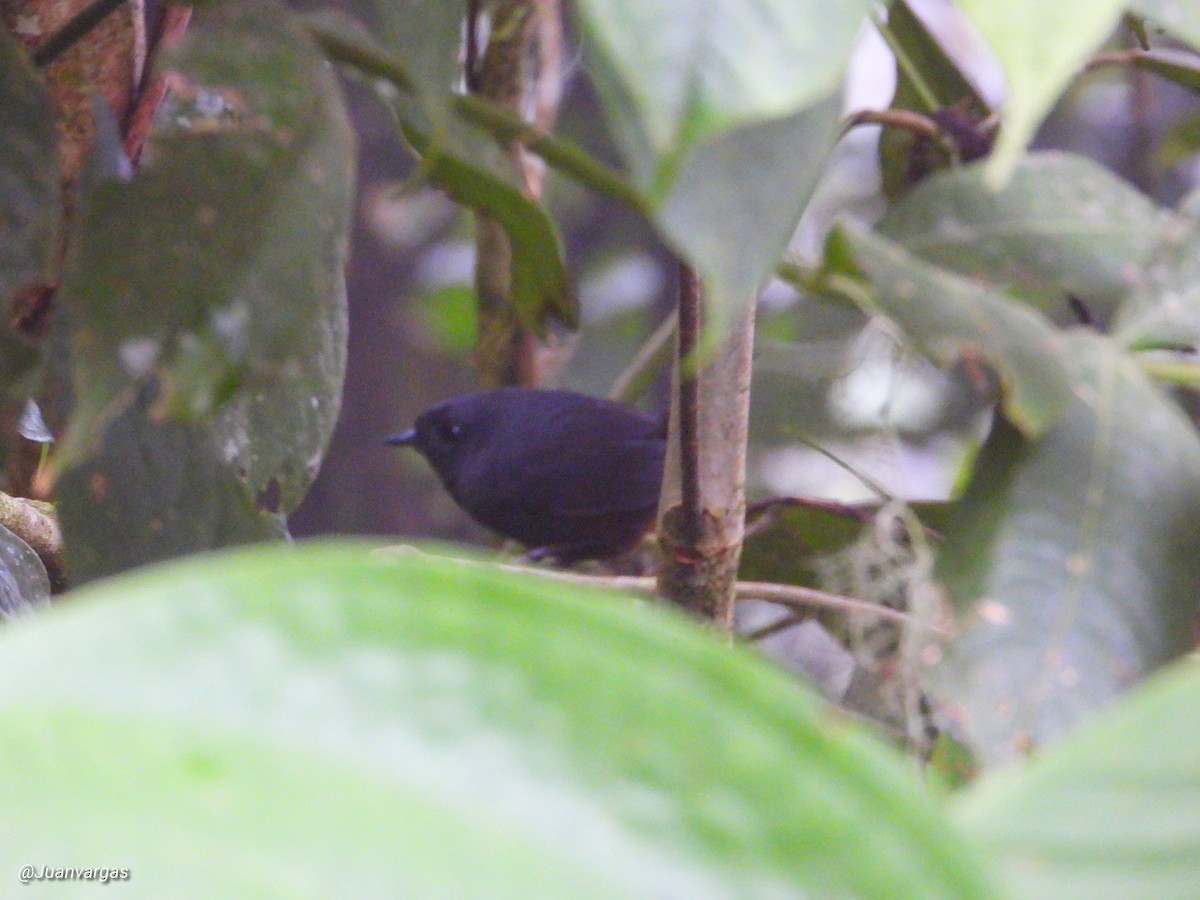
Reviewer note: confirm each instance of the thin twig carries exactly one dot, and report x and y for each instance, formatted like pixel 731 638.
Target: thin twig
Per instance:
pixel 72 30
pixel 689 402
pixel 783 623
pixel 171 28
pixel 791 596
pixel 651 356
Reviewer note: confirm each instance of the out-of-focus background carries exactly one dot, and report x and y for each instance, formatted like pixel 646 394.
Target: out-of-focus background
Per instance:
pixel 823 374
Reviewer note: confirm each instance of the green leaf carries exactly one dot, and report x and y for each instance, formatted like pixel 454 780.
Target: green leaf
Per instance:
pixel 541 288
pixel 1173 65
pixel 30 203
pixel 682 74
pixel 216 269
pixel 154 491
pixel 417 57
pixel 1061 226
pixel 1180 17
pixel 274 432
pixel 801 535
pixel 1165 310
pixel 733 220
pixel 1113 811
pixel 951 318
pixel 317 720
pixel 941 76
pixel 1073 558
pixel 1041 47
pixel 23 579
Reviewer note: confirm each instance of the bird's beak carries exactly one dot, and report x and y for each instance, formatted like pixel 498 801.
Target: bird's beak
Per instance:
pixel 402 438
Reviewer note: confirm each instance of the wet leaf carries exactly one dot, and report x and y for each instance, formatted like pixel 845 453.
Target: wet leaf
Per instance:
pixel 1073 558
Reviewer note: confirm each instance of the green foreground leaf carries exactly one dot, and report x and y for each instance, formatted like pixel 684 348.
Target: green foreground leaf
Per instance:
pixel 315 719
pixel 1112 812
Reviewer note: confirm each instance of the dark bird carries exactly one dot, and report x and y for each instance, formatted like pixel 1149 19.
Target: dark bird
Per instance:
pixel 569 476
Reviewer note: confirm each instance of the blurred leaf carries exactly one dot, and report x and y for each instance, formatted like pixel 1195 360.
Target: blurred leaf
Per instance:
pixel 733 219
pixel 1173 65
pixel 1113 811
pixel 449 315
pixel 1165 310
pixel 1181 140
pixel 1041 47
pixel 951 318
pixel 541 288
pixel 30 202
pixel 1073 558
pixel 691 98
pixel 316 720
pixel 216 267
pixel 417 56
pixel 276 431
pixel 788 550
pixel 32 426
pixel 1063 225
pixel 940 74
pixel 1177 16
pixel 680 75
pixel 23 579
pixel 154 491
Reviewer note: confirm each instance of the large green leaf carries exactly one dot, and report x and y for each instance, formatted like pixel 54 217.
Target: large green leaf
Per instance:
pixel 724 115
pixel 683 74
pixel 1073 559
pixel 1181 17
pixel 950 318
pixel 1061 226
pixel 1041 47
pixel 218 268
pixel 737 198
pixel 316 720
pixel 153 491
pixel 30 206
pixel 1165 310
pixel 1112 812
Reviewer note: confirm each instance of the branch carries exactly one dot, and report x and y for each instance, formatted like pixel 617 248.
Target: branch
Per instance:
pixel 35 523
pixel 73 30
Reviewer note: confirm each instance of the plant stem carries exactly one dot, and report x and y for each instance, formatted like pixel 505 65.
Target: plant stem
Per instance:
pixel 691 508
pixel 72 30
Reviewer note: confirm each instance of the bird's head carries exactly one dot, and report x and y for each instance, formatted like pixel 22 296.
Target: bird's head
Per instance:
pixel 449 436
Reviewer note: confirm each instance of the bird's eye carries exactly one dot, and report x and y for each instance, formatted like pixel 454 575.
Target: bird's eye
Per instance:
pixel 450 431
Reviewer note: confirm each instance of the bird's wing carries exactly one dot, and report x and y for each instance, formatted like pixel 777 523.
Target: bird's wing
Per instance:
pixel 596 460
